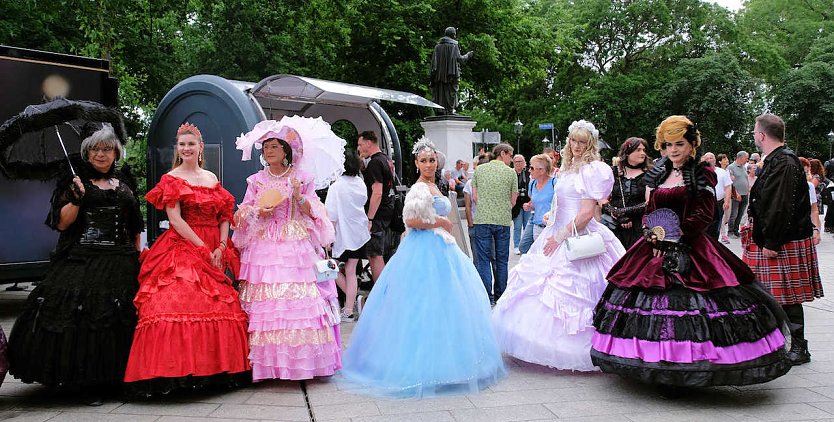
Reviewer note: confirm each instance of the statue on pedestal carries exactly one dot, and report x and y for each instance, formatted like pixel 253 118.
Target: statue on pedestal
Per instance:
pixel 445 71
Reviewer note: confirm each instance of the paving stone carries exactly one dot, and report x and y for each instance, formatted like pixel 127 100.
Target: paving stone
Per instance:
pixel 390 407
pixel 827 391
pixel 278 399
pixel 261 412
pixel 346 410
pixel 21 416
pixel 195 419
pixel 441 416
pixel 167 408
pixel 101 417
pixel 321 398
pixel 531 412
pixel 825 406
pixel 780 412
pixel 574 409
pixel 787 381
pixel 692 415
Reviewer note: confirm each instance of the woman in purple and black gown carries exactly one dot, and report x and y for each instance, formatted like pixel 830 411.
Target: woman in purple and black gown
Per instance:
pixel 713 324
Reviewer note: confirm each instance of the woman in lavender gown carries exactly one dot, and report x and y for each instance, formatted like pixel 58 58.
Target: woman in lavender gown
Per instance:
pixel 544 316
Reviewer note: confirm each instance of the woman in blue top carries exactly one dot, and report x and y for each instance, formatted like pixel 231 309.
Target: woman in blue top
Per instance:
pixel 541 189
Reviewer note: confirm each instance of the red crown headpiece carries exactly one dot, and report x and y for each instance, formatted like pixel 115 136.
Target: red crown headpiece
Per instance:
pixel 189 128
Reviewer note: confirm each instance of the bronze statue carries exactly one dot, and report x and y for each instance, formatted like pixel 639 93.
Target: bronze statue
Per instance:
pixel 445 71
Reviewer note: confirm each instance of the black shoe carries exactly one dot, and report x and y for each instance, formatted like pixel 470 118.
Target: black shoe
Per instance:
pixel 799 352
pixel 92 399
pixel 670 392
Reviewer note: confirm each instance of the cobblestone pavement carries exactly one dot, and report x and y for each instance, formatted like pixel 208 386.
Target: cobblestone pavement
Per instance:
pixel 529 393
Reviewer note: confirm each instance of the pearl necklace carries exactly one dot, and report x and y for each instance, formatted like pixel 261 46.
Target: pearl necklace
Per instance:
pixel 278 176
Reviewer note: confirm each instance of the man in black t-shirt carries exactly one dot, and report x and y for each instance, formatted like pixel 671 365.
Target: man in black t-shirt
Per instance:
pixel 380 206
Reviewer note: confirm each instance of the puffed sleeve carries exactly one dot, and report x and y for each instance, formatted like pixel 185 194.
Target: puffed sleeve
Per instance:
pixel 418 204
pixel 60 196
pixel 250 198
pixel 596 181
pixel 701 209
pixel 168 192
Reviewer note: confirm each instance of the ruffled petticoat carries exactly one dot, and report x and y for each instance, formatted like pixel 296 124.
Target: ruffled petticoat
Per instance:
pixel 684 337
pixel 293 327
pixel 545 316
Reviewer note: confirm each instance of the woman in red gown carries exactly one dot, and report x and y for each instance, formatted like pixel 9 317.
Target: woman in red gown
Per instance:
pixel 192 330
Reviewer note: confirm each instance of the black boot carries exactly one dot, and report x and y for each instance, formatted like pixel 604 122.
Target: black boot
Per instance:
pixel 799 351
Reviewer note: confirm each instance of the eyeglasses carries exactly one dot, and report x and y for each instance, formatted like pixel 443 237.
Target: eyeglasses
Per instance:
pixel 519 162
pixel 578 142
pixel 105 150
pixel 537 168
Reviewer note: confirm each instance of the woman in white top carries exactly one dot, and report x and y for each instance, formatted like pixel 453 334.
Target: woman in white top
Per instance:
pixel 345 205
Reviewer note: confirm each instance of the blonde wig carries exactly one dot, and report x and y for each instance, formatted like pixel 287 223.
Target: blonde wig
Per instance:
pixel 674 128
pixel 581 131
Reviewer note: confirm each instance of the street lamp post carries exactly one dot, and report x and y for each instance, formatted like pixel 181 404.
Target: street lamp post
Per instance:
pixel 830 141
pixel 517 127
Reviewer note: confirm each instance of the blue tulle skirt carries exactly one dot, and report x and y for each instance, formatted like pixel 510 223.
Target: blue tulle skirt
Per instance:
pixel 425 329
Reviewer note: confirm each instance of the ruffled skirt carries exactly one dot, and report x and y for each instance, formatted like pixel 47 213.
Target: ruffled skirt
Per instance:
pixel 293 322
pixel 77 325
pixel 425 329
pixel 683 337
pixel 545 315
pixel 191 330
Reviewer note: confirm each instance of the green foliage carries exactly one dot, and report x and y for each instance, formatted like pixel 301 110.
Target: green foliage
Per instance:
pixel 623 64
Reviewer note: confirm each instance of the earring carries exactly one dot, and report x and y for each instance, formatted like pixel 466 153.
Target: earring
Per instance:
pixel 200 157
pixel 285 162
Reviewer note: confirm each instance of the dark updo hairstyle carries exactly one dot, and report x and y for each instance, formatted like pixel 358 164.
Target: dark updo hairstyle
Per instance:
pixel 284 145
pixel 630 145
pixel 351 163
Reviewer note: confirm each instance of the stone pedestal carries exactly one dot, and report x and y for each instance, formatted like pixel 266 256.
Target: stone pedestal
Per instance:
pixel 452 135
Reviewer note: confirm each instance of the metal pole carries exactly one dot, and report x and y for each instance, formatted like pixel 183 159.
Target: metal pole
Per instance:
pixel 61 141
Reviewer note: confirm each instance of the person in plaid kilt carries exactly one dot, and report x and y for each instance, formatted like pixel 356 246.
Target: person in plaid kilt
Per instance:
pixel 778 242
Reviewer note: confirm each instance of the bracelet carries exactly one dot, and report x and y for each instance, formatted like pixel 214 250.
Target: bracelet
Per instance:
pixel 223 244
pixel 816 229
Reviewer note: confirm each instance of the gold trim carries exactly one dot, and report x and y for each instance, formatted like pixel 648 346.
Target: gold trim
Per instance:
pixel 251 292
pixel 292 338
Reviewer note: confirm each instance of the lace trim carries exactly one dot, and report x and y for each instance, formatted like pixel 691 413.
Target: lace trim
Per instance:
pixel 292 337
pixel 251 292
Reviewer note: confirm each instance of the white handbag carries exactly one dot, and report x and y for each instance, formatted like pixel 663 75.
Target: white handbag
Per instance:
pixel 326 269
pixel 583 246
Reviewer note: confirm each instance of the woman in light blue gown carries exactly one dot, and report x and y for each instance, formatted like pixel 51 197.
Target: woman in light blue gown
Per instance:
pixel 425 329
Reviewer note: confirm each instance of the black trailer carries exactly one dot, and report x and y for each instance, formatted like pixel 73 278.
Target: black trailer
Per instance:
pixel 27 241
pixel 224 109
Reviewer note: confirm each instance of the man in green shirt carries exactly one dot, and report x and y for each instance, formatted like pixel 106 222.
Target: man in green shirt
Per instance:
pixel 494 188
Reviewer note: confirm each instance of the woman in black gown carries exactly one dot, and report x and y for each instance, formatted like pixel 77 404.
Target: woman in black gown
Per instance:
pixel 77 326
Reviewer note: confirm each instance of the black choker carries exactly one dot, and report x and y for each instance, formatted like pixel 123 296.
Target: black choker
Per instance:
pixel 637 167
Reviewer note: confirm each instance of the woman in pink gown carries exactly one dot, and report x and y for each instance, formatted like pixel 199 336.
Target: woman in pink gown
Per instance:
pixel 293 320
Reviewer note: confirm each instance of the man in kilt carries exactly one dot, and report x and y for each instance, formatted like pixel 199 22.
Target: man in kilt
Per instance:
pixel 778 244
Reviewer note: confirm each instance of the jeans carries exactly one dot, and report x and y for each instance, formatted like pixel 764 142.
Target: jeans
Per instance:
pixel 737 210
pixel 489 237
pixel 519 223
pixel 531 233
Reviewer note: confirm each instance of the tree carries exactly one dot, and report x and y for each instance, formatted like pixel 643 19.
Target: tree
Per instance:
pixel 804 98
